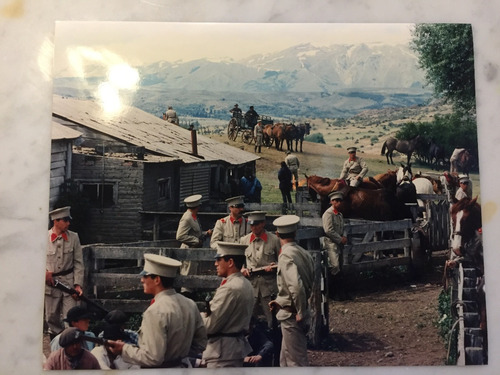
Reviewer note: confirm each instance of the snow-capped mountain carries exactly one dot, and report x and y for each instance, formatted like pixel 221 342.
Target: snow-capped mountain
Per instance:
pixel 326 80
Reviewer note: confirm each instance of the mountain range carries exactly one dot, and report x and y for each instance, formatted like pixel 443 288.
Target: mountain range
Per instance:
pixel 301 81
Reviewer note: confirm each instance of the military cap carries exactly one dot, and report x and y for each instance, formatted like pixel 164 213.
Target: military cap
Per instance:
pixel 463 178
pixel 70 336
pixel 336 195
pixel 351 149
pixel 60 213
pixel 236 201
pixel 77 313
pixel 116 317
pixel 229 248
pixel 255 217
pixel 159 265
pixel 287 223
pixel 193 200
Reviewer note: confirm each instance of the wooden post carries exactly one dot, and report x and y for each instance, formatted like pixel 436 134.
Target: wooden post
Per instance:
pixel 156 227
pixel 317 329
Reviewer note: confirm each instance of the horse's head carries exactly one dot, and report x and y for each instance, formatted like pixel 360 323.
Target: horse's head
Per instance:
pixel 466 222
pixel 403 174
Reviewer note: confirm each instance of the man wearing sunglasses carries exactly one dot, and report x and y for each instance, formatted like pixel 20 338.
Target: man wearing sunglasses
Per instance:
pixel 64 263
pixel 232 227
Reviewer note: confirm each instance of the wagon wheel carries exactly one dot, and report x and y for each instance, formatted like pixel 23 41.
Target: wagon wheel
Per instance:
pixel 247 137
pixel 267 141
pixel 232 129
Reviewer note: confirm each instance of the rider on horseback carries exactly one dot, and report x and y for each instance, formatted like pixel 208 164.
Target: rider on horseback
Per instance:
pixel 354 168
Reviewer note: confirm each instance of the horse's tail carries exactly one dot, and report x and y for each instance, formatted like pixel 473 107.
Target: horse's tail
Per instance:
pixel 383 148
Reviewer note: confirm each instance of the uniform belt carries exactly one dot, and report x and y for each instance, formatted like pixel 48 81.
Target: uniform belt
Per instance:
pixel 230 334
pixel 290 309
pixel 63 273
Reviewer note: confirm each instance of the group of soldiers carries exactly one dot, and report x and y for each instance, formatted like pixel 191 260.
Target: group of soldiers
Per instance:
pixel 265 276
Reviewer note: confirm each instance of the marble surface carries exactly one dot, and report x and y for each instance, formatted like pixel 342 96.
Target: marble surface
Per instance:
pixel 26 50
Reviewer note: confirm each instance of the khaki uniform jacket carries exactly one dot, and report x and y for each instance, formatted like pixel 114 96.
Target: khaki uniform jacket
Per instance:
pixel 63 255
pixel 333 225
pixel 171 329
pixel 171 116
pixel 295 280
pixel 292 162
pixel 354 168
pixel 229 231
pixel 231 310
pixel 258 134
pixel 189 231
pixel 259 253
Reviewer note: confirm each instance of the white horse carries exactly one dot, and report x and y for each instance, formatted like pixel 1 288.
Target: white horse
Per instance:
pixel 423 186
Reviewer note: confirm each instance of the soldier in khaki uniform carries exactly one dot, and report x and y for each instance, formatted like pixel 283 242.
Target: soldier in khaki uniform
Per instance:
pixel 190 234
pixel 64 263
pixel 228 318
pixel 232 227
pixel 295 281
pixel 171 328
pixel 293 163
pixel 262 252
pixel 333 225
pixel 354 168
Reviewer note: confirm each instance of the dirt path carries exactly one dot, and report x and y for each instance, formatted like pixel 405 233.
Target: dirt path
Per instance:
pixel 391 326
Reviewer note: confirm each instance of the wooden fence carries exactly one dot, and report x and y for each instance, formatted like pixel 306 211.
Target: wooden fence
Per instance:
pixel 112 276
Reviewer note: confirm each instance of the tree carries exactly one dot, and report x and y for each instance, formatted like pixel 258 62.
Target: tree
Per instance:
pixel 446 54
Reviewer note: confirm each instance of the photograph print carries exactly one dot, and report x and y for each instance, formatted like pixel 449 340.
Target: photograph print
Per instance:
pixel 287 194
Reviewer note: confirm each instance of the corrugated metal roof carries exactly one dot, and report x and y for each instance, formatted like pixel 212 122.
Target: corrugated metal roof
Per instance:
pixel 63 132
pixel 140 128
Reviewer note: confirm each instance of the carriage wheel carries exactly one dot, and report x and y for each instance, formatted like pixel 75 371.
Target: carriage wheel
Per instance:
pixel 267 141
pixel 232 131
pixel 247 137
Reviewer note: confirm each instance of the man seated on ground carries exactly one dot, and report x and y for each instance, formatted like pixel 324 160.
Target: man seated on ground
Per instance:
pixel 78 317
pixel 71 355
pixel 262 346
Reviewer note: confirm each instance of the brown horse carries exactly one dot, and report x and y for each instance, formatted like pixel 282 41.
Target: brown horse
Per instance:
pixel 466 221
pixel 278 135
pixel 267 135
pixel 362 203
pixel 461 161
pixel 404 146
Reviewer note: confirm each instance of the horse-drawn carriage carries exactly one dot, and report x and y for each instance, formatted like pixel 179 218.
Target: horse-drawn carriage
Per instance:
pixel 240 124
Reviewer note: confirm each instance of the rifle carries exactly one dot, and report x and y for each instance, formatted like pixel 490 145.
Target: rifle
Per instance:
pixel 261 270
pixel 66 289
pixel 98 340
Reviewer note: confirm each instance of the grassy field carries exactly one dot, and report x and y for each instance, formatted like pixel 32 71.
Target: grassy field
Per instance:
pixel 326 160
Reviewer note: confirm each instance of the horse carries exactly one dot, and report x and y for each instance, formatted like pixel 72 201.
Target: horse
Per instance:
pixel 466 222
pixel 436 183
pixel 461 161
pixel 302 130
pixel 435 155
pixel 467 243
pixel 363 203
pixel 278 135
pixel 404 146
pixel 267 135
pixel 289 134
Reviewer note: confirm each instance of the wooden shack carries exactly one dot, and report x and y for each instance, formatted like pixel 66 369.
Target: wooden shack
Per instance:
pixel 130 162
pixel 62 140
